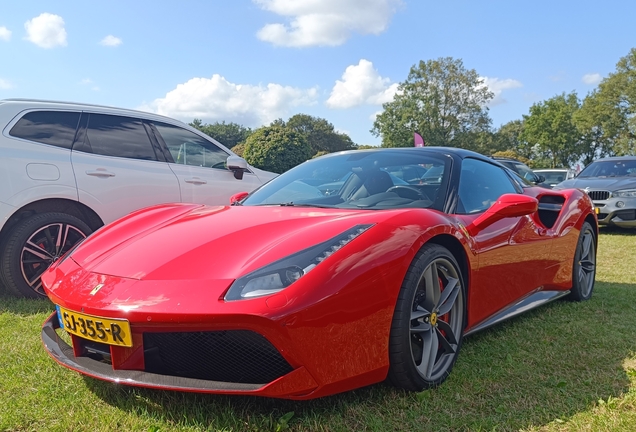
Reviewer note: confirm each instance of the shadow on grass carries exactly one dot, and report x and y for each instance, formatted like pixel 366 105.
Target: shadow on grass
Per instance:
pixel 549 364
pixel 24 307
pixel 612 230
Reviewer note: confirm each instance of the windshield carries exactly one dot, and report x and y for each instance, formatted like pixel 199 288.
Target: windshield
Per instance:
pixel 361 179
pixel 524 171
pixel 553 176
pixel 610 168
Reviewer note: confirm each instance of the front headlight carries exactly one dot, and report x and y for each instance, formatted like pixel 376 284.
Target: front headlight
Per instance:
pixel 625 193
pixel 282 273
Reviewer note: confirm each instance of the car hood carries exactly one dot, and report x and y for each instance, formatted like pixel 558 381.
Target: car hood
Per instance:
pixel 203 243
pixel 605 183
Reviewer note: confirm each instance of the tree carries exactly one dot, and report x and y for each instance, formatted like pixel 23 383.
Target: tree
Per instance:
pixel 600 126
pixel 442 101
pixel 508 137
pixel 276 148
pixel 320 134
pixel 550 124
pixel 609 114
pixel 239 149
pixel 228 134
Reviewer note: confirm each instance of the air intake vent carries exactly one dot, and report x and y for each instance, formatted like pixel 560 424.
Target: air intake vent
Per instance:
pixel 236 356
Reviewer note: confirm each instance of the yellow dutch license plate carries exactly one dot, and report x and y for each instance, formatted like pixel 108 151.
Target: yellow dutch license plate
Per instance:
pixel 105 330
pixel 597 210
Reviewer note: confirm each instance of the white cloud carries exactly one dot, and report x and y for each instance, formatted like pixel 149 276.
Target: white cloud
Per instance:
pixel 592 78
pixel 498 86
pixel 5 85
pixel 5 34
pixel 325 22
pixel 89 82
pixel 111 41
pixel 361 84
pixel 46 30
pixel 217 99
pixel 373 116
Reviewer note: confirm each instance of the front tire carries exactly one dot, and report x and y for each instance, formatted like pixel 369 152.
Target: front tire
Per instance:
pixel 32 246
pixel 584 267
pixel 428 322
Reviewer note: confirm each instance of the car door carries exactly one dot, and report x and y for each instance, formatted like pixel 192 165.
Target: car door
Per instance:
pixel 513 253
pixel 200 166
pixel 117 168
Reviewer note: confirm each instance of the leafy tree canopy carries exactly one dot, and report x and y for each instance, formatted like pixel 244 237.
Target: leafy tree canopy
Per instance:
pixel 551 126
pixel 228 134
pixel 608 115
pixel 239 149
pixel 276 148
pixel 442 101
pixel 320 134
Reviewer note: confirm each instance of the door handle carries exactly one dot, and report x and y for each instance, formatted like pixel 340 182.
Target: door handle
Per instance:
pixel 195 180
pixel 100 172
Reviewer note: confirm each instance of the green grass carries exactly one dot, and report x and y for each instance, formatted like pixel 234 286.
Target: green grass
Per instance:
pixel 563 367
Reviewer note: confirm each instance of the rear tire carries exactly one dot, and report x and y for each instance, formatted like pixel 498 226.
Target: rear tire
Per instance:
pixel 32 246
pixel 584 267
pixel 428 322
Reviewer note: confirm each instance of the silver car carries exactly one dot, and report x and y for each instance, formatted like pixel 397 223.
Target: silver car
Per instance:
pixel 611 183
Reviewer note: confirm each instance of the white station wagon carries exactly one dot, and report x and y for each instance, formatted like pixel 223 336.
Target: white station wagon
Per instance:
pixel 66 169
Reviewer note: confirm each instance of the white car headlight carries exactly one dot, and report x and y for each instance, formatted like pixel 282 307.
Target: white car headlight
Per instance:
pixel 625 193
pixel 284 272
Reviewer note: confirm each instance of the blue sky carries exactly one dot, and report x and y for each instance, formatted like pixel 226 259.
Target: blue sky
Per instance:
pixel 251 61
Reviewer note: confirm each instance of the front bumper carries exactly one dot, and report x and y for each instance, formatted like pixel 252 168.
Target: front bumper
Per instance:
pixel 297 384
pixel 620 212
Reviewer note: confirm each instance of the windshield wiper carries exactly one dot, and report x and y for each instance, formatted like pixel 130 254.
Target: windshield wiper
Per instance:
pixel 292 204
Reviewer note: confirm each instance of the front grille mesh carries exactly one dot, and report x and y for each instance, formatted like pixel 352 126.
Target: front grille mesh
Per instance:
pixel 238 356
pixel 599 195
pixel 626 215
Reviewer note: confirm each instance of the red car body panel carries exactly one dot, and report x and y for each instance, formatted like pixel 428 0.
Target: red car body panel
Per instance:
pixel 167 268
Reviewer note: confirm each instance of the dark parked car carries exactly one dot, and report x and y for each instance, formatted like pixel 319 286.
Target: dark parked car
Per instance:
pixel 522 169
pixel 611 183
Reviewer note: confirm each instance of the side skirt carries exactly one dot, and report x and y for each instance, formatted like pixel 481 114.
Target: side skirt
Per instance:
pixel 536 299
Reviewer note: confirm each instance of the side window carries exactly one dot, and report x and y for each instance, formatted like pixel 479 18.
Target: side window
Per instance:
pixel 119 136
pixel 480 185
pixel 188 148
pixel 56 128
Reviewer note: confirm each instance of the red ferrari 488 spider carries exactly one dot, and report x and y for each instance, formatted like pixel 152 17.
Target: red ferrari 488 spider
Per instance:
pixel 344 271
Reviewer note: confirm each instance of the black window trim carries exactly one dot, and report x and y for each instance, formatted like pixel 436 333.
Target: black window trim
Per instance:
pixel 164 147
pixel 80 144
pixel 6 132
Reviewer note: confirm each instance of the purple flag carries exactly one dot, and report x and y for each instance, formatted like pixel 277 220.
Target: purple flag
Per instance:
pixel 419 141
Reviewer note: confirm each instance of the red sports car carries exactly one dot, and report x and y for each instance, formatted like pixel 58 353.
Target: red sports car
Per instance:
pixel 346 270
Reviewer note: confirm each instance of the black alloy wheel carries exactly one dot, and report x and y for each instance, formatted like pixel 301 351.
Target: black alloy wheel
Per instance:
pixel 33 245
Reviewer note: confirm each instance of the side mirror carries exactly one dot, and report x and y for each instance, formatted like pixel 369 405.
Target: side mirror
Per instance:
pixel 508 205
pixel 540 178
pixel 237 165
pixel 238 197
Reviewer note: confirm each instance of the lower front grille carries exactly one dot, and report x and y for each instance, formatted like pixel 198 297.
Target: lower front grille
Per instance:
pixel 598 195
pixel 626 215
pixel 237 356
